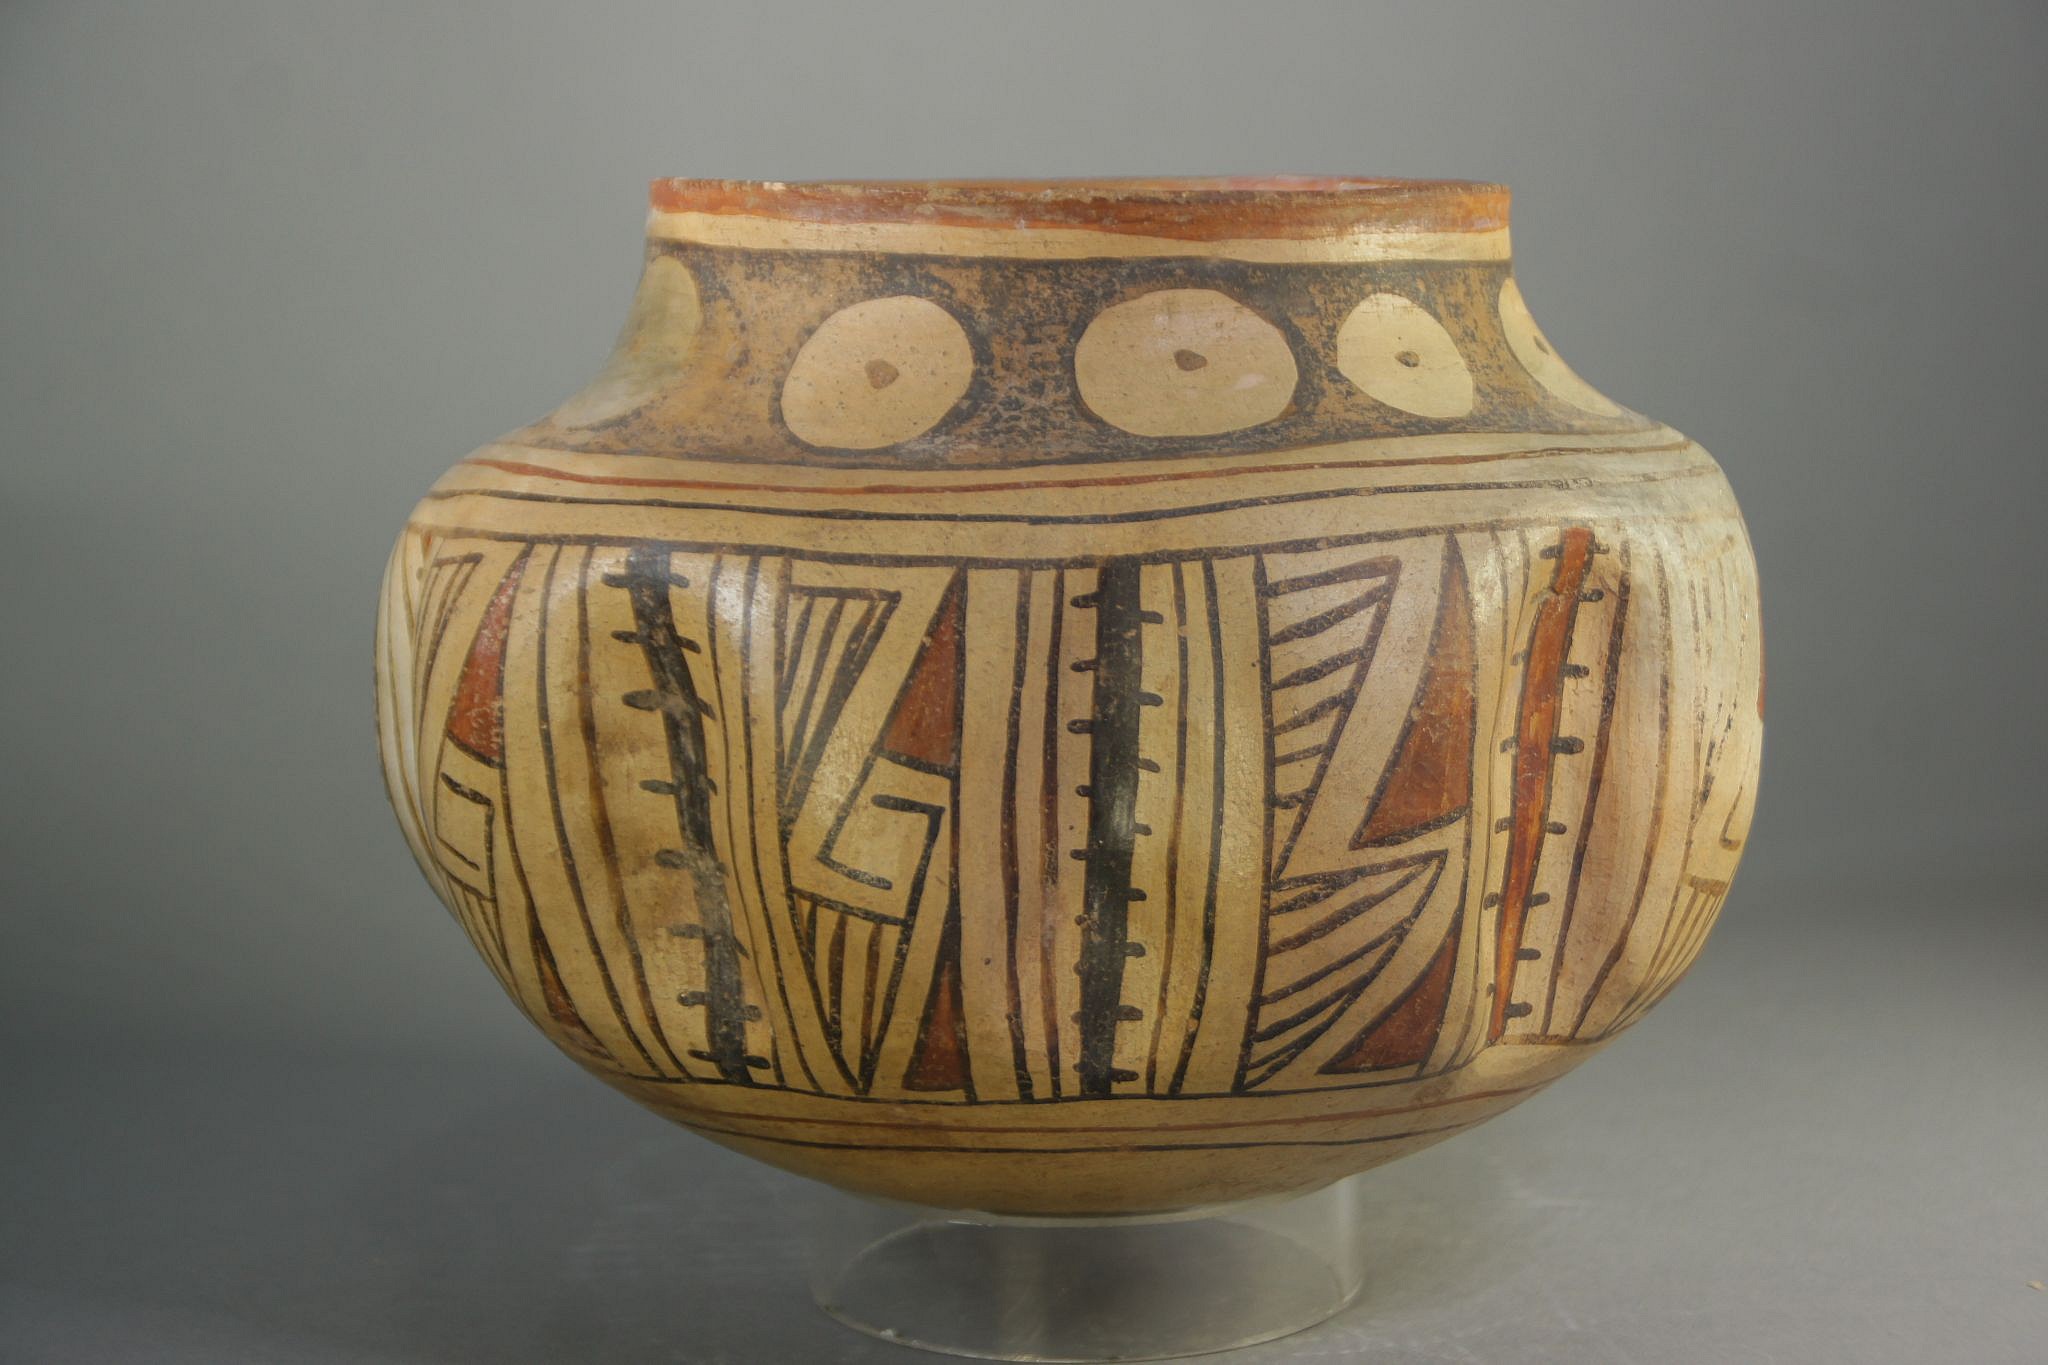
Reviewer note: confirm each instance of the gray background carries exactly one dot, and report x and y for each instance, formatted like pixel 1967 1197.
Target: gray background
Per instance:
pixel 266 269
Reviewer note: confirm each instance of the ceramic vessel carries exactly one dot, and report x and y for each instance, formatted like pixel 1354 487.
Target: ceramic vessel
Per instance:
pixel 1082 697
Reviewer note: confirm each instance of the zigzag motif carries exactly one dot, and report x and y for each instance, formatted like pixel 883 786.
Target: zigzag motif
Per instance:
pixel 1371 713
pixel 868 680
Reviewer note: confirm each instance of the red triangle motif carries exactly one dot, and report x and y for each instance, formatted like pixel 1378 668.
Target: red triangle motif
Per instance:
pixel 939 1062
pixel 1431 777
pixel 926 726
pixel 1408 1032
pixel 476 717
pixel 560 1008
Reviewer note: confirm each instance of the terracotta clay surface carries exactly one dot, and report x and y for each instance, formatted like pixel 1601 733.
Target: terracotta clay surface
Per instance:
pixel 1078 697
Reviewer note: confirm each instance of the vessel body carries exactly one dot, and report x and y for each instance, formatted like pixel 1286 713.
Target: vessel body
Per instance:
pixel 1078 699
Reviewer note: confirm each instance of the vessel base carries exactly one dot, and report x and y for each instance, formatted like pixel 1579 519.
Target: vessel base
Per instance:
pixel 1089 1289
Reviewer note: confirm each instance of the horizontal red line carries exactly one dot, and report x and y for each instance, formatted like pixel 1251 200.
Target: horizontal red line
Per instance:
pixel 938 1124
pixel 1107 1142
pixel 1028 485
pixel 1195 210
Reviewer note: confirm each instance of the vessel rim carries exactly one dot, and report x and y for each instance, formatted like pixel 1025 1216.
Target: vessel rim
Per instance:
pixel 1192 207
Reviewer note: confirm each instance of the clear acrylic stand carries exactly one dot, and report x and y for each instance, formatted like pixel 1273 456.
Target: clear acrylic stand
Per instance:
pixel 1087 1289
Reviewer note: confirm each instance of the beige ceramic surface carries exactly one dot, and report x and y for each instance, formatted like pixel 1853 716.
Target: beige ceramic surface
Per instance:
pixel 1079 697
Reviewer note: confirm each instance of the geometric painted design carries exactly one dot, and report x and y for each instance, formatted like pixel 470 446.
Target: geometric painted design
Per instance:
pixel 977 833
pixel 1078 699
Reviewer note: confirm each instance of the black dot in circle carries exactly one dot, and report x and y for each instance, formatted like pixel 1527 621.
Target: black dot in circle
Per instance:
pixel 1408 358
pixel 1189 360
pixel 881 374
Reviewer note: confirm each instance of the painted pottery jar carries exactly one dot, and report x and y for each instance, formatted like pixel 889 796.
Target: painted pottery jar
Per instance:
pixel 1078 697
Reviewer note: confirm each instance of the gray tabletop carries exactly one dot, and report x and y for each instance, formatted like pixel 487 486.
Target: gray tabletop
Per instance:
pixel 1826 1146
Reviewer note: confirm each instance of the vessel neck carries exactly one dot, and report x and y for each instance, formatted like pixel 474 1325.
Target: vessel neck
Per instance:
pixel 950 324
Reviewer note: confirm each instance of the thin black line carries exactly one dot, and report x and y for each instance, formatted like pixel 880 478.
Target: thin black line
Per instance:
pixel 866 1037
pixel 1285 1056
pixel 985 1149
pixel 1449 943
pixel 795 747
pixel 1410 870
pixel 952 818
pixel 744 644
pixel 806 946
pixel 568 855
pixel 1379 1082
pixel 1171 910
pixel 1609 691
pixel 1250 455
pixel 1309 715
pixel 484 932
pixel 465 568
pixel 848 908
pixel 1219 730
pixel 913 903
pixel 1345 992
pixel 1473 771
pixel 1013 738
pixel 1450 561
pixel 864 559
pixel 789 663
pixel 1134 516
pixel 1649 843
pixel 1383 569
pixel 1309 673
pixel 504 807
pixel 1340 705
pixel 1528 697
pixel 1302 983
pixel 1260 598
pixel 828 847
pixel 600 814
pixel 1324 620
pixel 537 942
pixel 1049 819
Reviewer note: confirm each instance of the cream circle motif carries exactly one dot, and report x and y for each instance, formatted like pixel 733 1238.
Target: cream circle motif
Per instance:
pixel 660 328
pixel 1533 349
pixel 877 373
pixel 1394 350
pixel 1184 362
